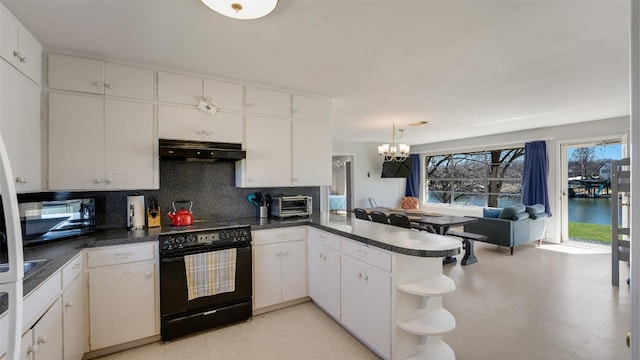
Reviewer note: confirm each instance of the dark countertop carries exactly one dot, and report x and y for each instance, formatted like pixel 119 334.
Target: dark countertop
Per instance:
pixel 391 238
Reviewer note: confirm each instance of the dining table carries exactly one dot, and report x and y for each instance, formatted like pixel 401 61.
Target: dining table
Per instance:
pixel 441 223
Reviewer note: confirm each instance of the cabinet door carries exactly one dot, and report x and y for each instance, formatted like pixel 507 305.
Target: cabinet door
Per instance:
pixel 129 145
pixel 267 275
pixel 223 127
pixel 121 304
pixel 31 52
pixel 268 146
pixel 270 102
pixel 47 334
pixel 76 142
pixel 311 151
pixel 128 81
pixel 180 123
pixel 331 285
pixel 294 270
pixel 316 272
pixel 179 89
pixel 223 95
pixel 377 310
pixel 351 294
pixel 9 36
pixel 20 126
pixel 76 74
pixel 311 108
pixel 73 321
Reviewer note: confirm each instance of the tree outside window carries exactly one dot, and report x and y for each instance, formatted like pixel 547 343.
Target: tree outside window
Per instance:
pixel 485 178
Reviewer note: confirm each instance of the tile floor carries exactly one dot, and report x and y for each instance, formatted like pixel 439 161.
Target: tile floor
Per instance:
pixel 553 302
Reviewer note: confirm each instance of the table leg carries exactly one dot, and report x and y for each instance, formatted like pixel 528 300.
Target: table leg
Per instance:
pixel 442 230
pixel 469 257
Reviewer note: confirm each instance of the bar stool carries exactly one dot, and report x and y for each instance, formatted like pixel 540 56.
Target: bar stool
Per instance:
pixel 361 214
pixel 379 217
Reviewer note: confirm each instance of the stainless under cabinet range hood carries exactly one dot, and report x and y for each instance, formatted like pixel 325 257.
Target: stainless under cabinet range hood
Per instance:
pixel 200 150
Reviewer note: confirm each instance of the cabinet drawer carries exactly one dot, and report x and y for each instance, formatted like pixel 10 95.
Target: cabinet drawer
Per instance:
pixel 367 254
pixel 120 255
pixel 325 238
pixel 37 301
pixel 71 270
pixel 271 236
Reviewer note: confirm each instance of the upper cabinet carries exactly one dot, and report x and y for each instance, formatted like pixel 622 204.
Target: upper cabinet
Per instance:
pixel 267 102
pixel 98 77
pixel 306 107
pixel 20 127
pixel 182 123
pixel 19 47
pixel 189 90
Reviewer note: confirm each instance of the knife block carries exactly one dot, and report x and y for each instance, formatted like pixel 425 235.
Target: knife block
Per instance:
pixel 153 217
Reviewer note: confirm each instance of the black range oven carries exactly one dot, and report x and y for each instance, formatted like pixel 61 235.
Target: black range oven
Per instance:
pixel 181 316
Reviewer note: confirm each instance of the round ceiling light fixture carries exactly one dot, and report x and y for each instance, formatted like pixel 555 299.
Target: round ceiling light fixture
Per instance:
pixel 242 9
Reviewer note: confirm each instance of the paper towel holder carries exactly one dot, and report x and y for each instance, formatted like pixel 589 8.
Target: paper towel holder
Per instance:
pixel 135 212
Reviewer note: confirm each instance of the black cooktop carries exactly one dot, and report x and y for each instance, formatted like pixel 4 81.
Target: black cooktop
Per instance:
pixel 201 225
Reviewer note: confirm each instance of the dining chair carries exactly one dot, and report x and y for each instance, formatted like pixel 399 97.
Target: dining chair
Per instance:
pixel 399 220
pixel 361 214
pixel 379 217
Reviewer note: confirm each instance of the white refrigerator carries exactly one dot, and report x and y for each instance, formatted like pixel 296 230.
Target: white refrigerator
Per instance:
pixel 11 269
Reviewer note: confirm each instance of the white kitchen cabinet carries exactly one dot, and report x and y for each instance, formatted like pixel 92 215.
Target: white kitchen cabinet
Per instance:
pixel 268 147
pixel 324 271
pixel 20 127
pixel 311 154
pixel 19 47
pixel 366 297
pixel 73 320
pixel 305 107
pixel 44 340
pixel 97 77
pixel 267 102
pixel 223 95
pixel 183 123
pixel 279 266
pixel 122 297
pixel 110 143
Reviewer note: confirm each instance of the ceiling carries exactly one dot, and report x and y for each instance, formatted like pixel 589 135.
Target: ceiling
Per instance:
pixel 469 68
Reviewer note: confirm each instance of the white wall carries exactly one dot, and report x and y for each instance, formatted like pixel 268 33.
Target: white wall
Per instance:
pixel 388 191
pixel 366 173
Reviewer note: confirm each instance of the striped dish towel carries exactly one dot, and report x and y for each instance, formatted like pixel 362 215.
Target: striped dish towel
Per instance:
pixel 211 273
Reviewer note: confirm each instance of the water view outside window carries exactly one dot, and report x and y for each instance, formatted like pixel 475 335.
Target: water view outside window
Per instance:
pixel 484 178
pixel 589 203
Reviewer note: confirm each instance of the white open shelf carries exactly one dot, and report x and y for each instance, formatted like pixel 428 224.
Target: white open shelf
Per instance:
pixel 437 350
pixel 436 285
pixel 435 322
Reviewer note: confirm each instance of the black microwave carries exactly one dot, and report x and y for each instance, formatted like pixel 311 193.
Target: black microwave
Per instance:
pixel 50 220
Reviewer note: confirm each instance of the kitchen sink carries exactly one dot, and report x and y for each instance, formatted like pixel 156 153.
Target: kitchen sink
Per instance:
pixel 29 266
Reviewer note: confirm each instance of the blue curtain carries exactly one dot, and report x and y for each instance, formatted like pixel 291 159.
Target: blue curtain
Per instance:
pixel 535 189
pixel 413 181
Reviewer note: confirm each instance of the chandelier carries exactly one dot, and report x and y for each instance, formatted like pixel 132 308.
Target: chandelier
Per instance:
pixel 392 152
pixel 242 9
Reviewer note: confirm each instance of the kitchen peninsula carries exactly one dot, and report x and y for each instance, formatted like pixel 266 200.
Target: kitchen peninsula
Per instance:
pixel 387 281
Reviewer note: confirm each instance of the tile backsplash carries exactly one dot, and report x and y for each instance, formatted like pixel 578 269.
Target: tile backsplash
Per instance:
pixel 210 185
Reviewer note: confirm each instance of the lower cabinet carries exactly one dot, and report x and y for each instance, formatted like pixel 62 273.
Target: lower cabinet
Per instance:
pixel 122 295
pixel 44 340
pixel 73 321
pixel 366 303
pixel 324 271
pixel 280 263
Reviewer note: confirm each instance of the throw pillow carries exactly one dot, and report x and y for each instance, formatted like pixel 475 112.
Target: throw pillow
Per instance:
pixel 541 215
pixel 520 216
pixel 510 211
pixel 535 209
pixel 492 213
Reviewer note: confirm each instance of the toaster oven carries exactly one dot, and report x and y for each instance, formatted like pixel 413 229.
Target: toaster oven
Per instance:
pixel 285 206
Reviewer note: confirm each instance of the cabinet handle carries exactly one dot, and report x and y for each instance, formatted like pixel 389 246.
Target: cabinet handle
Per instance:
pixel 250 104
pixel 108 180
pixel 68 304
pixel 42 340
pixel 148 274
pixel 200 132
pixel 22 59
pixel 21 180
pixel 365 276
pixel 295 179
pixel 32 349
pixel 359 275
pixel 123 255
pixel 98 84
pixel 208 132
pixel 16 53
pixel 98 180
pixel 108 86
pixel 75 266
pixel 285 252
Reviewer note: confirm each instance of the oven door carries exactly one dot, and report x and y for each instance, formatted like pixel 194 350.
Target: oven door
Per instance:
pixel 173 285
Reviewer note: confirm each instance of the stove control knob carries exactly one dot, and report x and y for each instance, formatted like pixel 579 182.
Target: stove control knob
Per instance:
pixel 180 239
pixel 225 235
pixel 190 238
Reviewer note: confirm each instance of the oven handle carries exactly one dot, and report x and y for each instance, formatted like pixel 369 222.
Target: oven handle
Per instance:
pixel 180 257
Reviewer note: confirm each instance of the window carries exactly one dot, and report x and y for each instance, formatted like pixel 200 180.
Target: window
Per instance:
pixel 484 178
